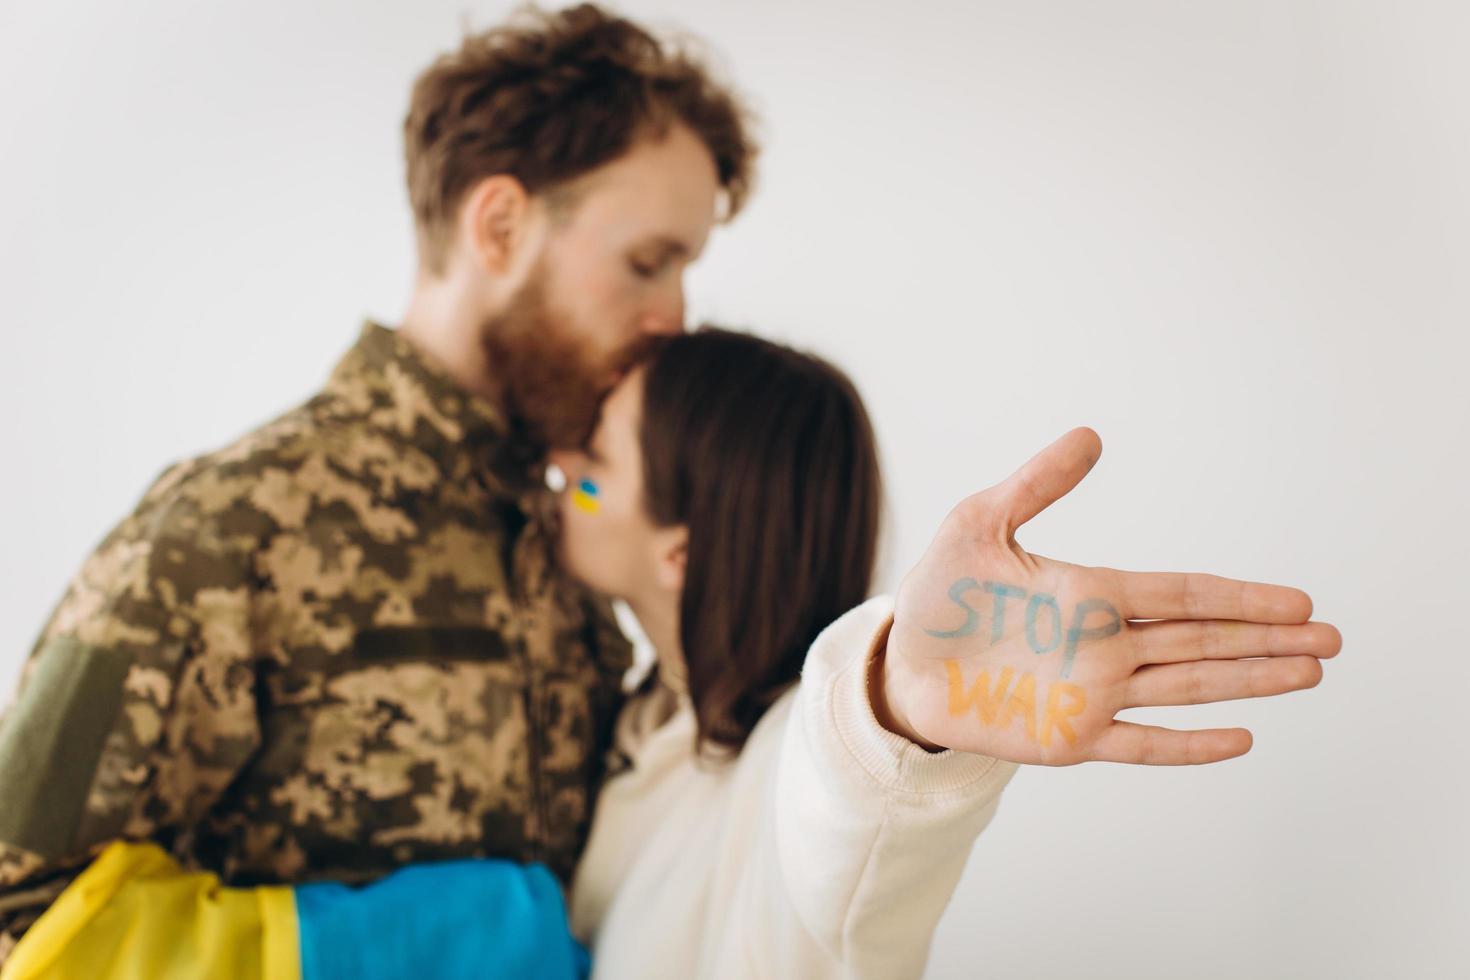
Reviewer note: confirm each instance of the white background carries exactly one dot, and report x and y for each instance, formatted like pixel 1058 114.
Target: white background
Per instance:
pixel 1230 236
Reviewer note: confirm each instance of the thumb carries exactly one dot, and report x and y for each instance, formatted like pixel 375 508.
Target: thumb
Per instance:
pixel 1045 478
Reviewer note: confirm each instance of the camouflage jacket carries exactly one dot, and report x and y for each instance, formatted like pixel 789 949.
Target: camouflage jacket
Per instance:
pixel 336 647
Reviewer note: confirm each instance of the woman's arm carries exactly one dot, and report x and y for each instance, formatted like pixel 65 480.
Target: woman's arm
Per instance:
pixel 1006 655
pixel 869 831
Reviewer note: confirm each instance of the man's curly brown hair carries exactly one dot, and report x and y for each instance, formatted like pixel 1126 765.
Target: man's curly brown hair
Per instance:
pixel 548 97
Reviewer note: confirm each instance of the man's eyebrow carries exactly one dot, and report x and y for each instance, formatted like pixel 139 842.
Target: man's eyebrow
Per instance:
pixel 668 247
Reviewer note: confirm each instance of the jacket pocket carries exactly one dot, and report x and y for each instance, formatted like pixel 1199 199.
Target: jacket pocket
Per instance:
pixel 430 644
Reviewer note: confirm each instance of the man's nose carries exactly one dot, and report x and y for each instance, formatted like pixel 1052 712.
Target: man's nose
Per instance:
pixel 666 317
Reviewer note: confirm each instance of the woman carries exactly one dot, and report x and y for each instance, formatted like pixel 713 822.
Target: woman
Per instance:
pixel 760 827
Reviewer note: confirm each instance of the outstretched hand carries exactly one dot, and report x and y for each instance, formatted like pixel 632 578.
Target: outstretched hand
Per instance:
pixel 1004 653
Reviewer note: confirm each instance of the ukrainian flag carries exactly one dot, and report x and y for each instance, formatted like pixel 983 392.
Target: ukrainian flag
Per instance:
pixel 135 914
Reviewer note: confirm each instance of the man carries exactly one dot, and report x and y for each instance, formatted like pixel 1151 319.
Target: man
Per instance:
pixel 339 646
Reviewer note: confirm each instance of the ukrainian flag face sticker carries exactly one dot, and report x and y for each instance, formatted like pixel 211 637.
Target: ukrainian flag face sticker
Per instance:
pixel 584 497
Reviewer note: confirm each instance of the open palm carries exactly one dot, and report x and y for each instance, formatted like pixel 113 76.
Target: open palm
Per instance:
pixel 1001 652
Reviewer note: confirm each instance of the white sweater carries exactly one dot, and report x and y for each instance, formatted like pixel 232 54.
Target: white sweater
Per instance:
pixel 829 848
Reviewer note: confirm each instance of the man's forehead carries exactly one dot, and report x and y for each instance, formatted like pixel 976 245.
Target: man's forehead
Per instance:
pixel 628 220
pixel 666 193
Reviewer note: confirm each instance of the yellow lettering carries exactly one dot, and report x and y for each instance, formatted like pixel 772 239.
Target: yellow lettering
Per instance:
pixel 990 702
pixel 985 700
pixel 1022 702
pixel 1058 713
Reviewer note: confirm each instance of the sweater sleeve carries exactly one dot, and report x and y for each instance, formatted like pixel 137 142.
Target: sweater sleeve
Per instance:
pixel 870 832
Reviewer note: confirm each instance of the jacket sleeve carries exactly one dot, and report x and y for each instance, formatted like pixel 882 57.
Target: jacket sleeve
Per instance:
pixel 136 706
pixel 867 833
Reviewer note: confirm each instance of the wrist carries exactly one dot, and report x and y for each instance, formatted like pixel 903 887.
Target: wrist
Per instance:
pixel 883 688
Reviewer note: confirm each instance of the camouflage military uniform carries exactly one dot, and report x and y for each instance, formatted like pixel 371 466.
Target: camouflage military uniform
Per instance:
pixel 335 647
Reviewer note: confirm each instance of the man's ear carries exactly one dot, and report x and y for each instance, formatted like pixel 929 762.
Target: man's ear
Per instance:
pixel 495 222
pixel 672 558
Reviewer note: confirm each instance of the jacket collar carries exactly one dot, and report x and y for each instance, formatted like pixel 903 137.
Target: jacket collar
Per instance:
pixel 395 387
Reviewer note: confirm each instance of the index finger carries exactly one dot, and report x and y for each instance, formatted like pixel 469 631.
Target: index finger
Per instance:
pixel 1193 595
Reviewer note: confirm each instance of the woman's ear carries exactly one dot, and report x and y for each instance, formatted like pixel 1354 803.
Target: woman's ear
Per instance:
pixel 672 557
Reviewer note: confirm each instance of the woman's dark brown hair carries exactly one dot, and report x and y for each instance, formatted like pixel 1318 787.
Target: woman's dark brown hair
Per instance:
pixel 768 457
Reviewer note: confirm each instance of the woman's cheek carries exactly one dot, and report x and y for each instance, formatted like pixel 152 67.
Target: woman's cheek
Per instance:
pixel 585 526
pixel 586 497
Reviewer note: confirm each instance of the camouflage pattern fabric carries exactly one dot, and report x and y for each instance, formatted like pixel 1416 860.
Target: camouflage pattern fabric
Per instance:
pixel 336 647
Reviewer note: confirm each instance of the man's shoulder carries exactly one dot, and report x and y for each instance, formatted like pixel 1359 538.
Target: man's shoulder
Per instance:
pixel 266 481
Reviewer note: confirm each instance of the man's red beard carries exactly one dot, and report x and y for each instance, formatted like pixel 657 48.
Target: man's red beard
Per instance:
pixel 551 387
